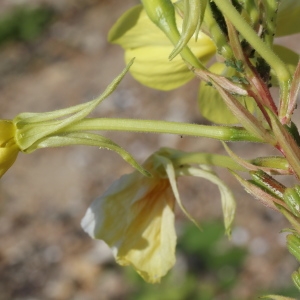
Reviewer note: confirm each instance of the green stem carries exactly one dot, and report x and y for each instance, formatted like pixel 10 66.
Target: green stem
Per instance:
pixel 283 74
pixel 207 159
pixel 227 162
pixel 222 133
pixel 217 34
pixel 270 9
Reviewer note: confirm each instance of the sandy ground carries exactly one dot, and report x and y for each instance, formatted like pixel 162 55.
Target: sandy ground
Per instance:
pixel 44 254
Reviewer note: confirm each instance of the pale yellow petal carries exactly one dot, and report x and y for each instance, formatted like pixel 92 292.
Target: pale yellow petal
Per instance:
pixel 135 217
pixel 8 148
pixel 150 241
pixel 153 68
pixel 8 156
pixel 145 42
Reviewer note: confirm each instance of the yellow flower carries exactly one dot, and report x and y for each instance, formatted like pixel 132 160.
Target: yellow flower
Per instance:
pixel 135 217
pixel 142 39
pixel 8 148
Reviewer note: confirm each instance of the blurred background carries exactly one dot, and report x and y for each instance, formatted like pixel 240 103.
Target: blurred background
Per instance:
pixel 54 54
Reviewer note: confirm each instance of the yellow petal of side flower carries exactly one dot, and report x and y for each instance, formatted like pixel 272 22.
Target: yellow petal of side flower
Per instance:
pixel 143 40
pixel 8 148
pixel 135 217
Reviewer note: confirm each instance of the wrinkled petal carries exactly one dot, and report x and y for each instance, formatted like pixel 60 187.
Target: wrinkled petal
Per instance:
pixel 135 217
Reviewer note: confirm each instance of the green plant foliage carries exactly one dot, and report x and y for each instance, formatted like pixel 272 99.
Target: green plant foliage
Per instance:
pixel 290 291
pixel 24 24
pixel 209 248
pixel 213 265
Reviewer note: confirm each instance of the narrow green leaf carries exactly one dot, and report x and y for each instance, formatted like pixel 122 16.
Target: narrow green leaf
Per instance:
pixel 87 139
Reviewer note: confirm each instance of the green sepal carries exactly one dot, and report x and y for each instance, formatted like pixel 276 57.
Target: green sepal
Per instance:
pixel 227 197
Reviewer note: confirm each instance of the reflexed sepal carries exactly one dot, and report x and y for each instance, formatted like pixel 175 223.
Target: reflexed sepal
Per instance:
pixel 192 20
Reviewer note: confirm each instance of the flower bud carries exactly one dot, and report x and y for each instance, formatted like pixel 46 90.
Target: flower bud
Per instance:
pixel 162 14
